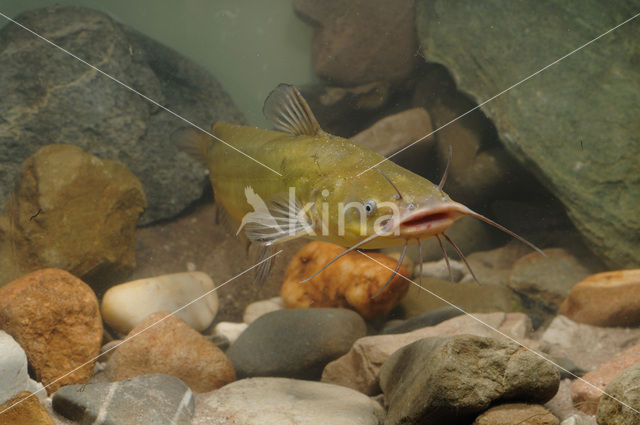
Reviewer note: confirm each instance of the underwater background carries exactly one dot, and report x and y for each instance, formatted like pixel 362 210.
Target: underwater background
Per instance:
pixel 126 296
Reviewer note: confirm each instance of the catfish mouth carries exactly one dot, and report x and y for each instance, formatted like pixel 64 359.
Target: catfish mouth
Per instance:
pixel 429 221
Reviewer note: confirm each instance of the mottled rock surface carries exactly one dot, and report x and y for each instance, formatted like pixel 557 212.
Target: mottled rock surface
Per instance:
pixel 626 389
pixel 605 299
pixel 79 216
pixel 169 346
pixel 358 369
pixel 55 318
pixel 125 305
pixel 146 400
pixel 281 401
pixel 514 413
pixel 361 41
pixel 24 409
pixel 295 343
pixel 558 123
pixel 50 97
pixel 350 282
pixel 451 379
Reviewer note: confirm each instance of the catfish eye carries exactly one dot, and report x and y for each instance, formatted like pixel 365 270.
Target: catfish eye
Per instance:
pixel 370 206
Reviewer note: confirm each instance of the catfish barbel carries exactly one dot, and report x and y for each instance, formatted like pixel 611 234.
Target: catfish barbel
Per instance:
pixel 319 194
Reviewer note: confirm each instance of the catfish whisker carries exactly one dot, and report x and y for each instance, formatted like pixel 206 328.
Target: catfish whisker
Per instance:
pixel 342 254
pixel 420 257
pixel 390 182
pixel 395 271
pixel 446 257
pixel 472 213
pixel 446 169
pixel 462 257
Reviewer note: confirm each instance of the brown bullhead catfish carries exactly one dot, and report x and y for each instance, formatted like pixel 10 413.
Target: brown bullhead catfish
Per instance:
pixel 303 182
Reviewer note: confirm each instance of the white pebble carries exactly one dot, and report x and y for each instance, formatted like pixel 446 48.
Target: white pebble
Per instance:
pixel 258 308
pixel 127 304
pixel 14 377
pixel 230 330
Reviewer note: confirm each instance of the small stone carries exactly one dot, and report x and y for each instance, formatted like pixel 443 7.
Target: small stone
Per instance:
pixel 145 400
pixel 587 346
pixel 451 379
pixel 80 217
pixel 585 396
pixel 439 269
pixel 24 409
pixel 14 377
pixel 172 347
pixel 359 367
pixel 562 406
pixel 509 414
pixel 395 132
pixel 124 306
pixel 430 318
pixel 623 387
pixel 55 318
pixel 295 343
pixel 258 308
pixel 342 49
pixel 469 296
pixel 230 330
pixel 605 299
pixel 544 282
pixel 578 420
pixel 350 282
pixel 281 401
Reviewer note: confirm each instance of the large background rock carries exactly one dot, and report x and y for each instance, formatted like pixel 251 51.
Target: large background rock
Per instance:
pixel 576 125
pixel 50 97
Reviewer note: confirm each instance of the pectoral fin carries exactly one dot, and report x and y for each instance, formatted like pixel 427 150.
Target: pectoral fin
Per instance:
pixel 275 221
pixel 289 112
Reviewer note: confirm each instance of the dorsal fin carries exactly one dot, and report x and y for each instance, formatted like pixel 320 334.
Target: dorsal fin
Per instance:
pixel 289 112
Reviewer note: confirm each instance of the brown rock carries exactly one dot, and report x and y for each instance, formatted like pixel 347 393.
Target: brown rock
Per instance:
pixel 55 318
pixel 544 282
pixel 79 217
pixel 350 282
pixel 360 41
pixel 605 299
pixel 171 347
pixel 24 409
pixel 395 132
pixel 585 396
pixel 517 413
pixel 358 369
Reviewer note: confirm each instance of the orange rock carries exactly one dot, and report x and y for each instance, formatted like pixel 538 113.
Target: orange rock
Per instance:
pixel 174 348
pixel 605 299
pixel 350 282
pixel 586 397
pixel 24 409
pixel 55 318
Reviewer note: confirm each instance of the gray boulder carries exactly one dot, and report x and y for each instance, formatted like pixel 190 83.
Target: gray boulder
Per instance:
pixel 50 97
pixel 449 380
pixel 576 125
